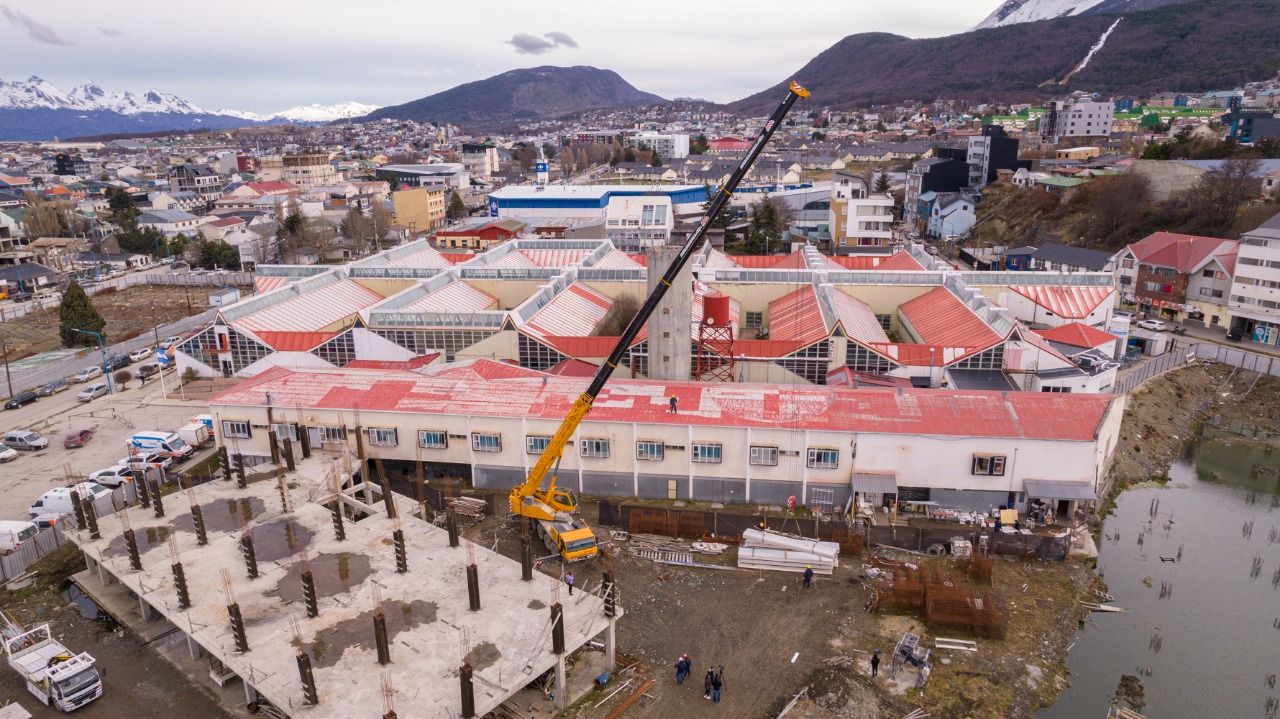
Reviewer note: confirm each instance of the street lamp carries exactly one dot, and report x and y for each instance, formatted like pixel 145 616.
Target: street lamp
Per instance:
pixel 102 350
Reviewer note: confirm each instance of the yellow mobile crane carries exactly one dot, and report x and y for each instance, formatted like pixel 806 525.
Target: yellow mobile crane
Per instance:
pixel 553 509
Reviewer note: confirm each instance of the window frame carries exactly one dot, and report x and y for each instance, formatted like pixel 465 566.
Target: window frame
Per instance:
pixel 531 439
pixel 290 431
pixel 379 437
pixel 986 464
pixel 812 462
pixel 593 447
pixel 227 432
pixel 699 456
pixel 647 454
pixel 444 439
pixel 477 440
pixel 754 452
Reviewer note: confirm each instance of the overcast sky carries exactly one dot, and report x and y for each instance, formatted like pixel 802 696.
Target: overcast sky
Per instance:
pixel 267 55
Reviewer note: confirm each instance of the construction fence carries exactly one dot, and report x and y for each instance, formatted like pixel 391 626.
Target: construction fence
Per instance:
pixel 946 601
pixel 1179 355
pixel 15 563
pixel 695 524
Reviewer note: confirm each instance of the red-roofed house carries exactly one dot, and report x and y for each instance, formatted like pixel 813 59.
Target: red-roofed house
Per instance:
pixel 1082 336
pixel 728 143
pixel 1179 277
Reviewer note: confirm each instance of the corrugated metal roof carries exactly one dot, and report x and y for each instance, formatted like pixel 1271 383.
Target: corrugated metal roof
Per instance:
pixel 486 388
pixel 553 258
pixel 1184 253
pixel 1058 489
pixel 454 297
pixel 590 346
pixel 263 285
pixel 942 319
pixel 898 261
pixel 574 312
pixel 1077 334
pixel 617 260
pixel 797 317
pixel 857 319
pixel 294 341
pixel 426 257
pixel 1073 303
pixel 312 310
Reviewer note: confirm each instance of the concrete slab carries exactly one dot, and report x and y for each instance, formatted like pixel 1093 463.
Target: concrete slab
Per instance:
pixel 430 625
pixel 122 605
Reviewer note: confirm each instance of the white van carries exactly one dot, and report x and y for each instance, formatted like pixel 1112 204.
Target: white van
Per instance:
pixel 58 500
pixel 14 533
pixel 167 442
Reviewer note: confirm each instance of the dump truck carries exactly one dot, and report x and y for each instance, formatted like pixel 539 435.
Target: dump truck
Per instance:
pixel 59 678
pixel 554 509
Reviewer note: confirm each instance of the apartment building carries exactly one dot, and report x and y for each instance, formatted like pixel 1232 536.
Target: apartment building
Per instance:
pixel 1076 118
pixel 196 178
pixel 860 221
pixel 670 146
pixel 633 223
pixel 480 161
pixel 310 170
pixel 1179 277
pixel 1255 289
pixel 419 209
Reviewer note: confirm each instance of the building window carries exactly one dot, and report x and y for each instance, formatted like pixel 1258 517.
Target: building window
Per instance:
pixel 381 436
pixel 823 458
pixel 535 443
pixel 598 448
pixel 649 451
pixel 762 456
pixel 235 429
pixel 754 320
pixel 486 442
pixel 989 464
pixel 338 351
pixel 988 359
pixel 707 453
pixel 861 359
pixel 285 431
pixel 332 435
pixel 1061 390
pixel 433 439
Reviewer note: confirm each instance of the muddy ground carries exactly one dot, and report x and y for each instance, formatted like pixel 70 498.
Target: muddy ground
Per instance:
pixel 138 682
pixel 128 312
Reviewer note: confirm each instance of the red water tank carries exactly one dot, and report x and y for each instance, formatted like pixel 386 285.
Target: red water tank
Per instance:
pixel 715 309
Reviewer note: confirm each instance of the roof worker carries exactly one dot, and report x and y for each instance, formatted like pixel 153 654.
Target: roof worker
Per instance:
pixel 673 400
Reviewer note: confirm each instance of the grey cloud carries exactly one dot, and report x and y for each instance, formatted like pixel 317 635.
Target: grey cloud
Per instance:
pixel 110 31
pixel 527 44
pixel 36 30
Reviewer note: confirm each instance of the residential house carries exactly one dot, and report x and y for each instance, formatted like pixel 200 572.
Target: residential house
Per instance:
pixel 1179 277
pixel 186 201
pixel 200 179
pixel 953 214
pixel 170 222
pixel 947 171
pixel 1057 257
pixel 727 145
pixel 479 234
pixel 859 221
pixel 216 230
pixel 1255 288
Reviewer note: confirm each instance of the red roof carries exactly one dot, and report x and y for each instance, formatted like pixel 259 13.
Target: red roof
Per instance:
pixel 227 222
pixel 467 388
pixel 1077 334
pixel 282 341
pixel 416 362
pixel 1184 253
pixel 940 318
pixel 897 261
pixel 793 261
pixel 591 346
pixel 797 317
pixel 765 348
pixel 271 187
pixel 1075 303
pixel 574 368
pixel 456 257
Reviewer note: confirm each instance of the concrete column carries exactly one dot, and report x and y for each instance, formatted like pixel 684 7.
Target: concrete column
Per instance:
pixel 562 688
pixel 611 645
pixel 669 356
pixel 147 612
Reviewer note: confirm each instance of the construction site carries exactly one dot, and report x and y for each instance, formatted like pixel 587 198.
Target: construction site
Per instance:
pixel 326 596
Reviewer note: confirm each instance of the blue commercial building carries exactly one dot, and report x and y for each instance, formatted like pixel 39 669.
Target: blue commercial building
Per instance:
pixel 581 201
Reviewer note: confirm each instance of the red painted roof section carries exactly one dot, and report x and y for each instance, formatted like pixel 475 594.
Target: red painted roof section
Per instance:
pixel 591 346
pixel 227 222
pixel 765 348
pixel 1078 334
pixel 1184 253
pixel 1074 303
pixel 267 187
pixel 845 377
pixel 942 319
pixel 467 389
pixel 797 317
pixel 456 258
pixel 897 261
pixel 574 368
pixel 416 362
pixel 282 341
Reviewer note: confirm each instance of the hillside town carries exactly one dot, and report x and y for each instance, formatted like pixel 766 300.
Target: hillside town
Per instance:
pixel 873 409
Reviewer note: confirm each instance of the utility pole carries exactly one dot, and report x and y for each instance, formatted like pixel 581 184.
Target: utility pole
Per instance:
pixel 4 350
pixel 102 350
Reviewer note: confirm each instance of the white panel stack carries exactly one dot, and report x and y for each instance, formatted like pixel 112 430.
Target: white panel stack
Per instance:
pixel 786 553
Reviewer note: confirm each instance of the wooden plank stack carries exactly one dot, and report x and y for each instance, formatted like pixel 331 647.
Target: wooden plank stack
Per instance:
pixel 786 553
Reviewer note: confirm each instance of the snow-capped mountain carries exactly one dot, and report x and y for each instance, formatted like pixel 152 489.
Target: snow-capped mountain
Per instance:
pixel 35 93
pixel 325 113
pixel 1012 12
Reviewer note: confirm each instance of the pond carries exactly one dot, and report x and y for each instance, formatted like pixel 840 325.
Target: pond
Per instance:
pixel 1196 565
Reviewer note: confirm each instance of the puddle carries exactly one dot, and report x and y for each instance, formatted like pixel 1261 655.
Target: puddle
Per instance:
pixel 148 538
pixel 224 515
pixel 536 604
pixel 483 656
pixel 88 608
pixel 276 540
pixel 333 574
pixel 331 642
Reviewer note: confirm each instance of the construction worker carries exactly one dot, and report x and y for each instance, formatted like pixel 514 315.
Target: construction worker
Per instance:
pixel 673 409
pixel 717 683
pixel 568 579
pixel 875 663
pixel 683 667
pixel 808 576
pixel 706 682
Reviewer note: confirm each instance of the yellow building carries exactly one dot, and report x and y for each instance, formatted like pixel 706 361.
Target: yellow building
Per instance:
pixel 420 209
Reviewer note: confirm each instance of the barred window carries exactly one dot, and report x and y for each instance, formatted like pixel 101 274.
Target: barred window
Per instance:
pixel 535 355
pixel 433 439
pixel 764 456
pixel 862 359
pixel 706 453
pixel 245 351
pixel 598 448
pixel 421 342
pixel 381 436
pixel 235 429
pixel 753 320
pixel 811 363
pixel 486 442
pixel 886 322
pixel 823 458
pixel 535 443
pixel 649 451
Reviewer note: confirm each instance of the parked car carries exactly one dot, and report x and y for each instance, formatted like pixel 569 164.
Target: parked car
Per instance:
pixel 115 362
pixel 47 520
pixel 170 341
pixel 112 476
pixel 1153 325
pixel 54 387
pixel 139 355
pixel 93 391
pixel 159 460
pixel 1234 336
pixel 25 439
pixel 58 500
pixel 149 369
pixel 7 454
pixel 21 399
pixel 77 438
pixel 87 374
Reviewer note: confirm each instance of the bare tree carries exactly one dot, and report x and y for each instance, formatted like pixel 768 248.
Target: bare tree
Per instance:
pixel 1217 196
pixel 381 220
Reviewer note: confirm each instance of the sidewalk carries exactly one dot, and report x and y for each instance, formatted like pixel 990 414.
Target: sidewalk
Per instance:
pixel 1196 331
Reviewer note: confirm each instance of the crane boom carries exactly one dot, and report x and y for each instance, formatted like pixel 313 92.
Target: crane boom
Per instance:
pixel 526 497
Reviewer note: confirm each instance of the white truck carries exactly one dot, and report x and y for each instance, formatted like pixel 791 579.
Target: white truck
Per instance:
pixel 166 442
pixel 58 678
pixel 196 434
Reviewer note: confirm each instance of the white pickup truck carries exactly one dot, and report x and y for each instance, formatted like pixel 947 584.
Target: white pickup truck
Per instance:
pixel 58 678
